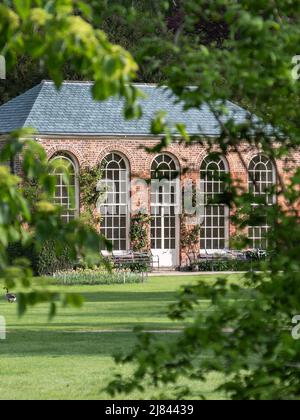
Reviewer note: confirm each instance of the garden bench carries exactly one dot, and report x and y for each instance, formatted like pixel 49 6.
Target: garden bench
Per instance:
pixel 211 261
pixel 141 261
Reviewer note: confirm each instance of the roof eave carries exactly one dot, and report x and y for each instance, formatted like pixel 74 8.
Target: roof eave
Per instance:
pixel 136 135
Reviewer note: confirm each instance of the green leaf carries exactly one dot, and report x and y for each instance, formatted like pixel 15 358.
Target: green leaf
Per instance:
pixel 22 8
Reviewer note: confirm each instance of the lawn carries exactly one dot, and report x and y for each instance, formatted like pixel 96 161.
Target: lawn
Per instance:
pixel 71 357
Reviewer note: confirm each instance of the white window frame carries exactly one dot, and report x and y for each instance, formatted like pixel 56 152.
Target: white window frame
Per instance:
pixel 203 183
pixel 65 215
pixel 265 160
pixel 104 230
pixel 166 202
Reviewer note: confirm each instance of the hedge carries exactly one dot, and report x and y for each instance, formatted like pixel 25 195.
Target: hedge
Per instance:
pixel 225 265
pixel 45 262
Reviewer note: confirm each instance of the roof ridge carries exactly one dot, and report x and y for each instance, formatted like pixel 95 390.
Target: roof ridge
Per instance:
pixel 239 107
pixel 40 86
pixel 29 96
pixel 65 82
pixel 91 82
pixel 20 95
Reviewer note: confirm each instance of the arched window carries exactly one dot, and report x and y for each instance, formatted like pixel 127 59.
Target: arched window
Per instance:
pixel 261 180
pixel 164 167
pixel 214 228
pixel 164 208
pixel 66 194
pixel 115 210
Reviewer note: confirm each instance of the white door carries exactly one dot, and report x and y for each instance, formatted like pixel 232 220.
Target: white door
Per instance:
pixel 165 210
pixel 164 242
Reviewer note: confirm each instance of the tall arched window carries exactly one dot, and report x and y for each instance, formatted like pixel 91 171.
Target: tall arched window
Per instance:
pixel 66 193
pixel 214 228
pixel 261 180
pixel 115 210
pixel 164 209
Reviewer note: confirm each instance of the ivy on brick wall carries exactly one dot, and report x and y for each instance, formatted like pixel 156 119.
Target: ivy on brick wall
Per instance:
pixel 90 193
pixel 190 239
pixel 140 225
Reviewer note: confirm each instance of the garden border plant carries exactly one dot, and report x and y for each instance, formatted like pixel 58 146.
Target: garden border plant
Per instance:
pixel 96 275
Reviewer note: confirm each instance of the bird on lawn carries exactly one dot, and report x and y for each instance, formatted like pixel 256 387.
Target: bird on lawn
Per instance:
pixel 11 298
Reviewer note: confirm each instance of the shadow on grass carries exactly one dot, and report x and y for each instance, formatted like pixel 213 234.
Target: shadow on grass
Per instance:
pixel 61 344
pixel 138 296
pixel 120 296
pixel 94 326
pixel 112 310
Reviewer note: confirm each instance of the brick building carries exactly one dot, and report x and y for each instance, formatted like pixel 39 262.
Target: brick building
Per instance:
pixel 72 126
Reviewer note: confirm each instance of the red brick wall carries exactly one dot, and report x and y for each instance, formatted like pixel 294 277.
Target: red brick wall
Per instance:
pixel 90 151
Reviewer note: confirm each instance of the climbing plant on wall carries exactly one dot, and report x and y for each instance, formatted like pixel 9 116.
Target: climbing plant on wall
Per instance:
pixel 190 238
pixel 139 232
pixel 90 192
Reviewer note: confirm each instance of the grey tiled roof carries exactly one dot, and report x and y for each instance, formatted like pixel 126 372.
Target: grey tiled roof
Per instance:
pixel 72 110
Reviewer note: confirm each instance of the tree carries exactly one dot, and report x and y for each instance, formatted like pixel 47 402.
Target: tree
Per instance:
pixel 52 33
pixel 248 340
pixel 130 24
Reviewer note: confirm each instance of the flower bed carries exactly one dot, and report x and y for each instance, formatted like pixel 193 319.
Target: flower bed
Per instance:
pixel 96 276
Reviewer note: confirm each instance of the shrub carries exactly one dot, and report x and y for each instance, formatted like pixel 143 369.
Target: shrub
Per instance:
pixel 135 266
pixel 17 250
pixel 226 265
pixel 50 259
pixel 45 262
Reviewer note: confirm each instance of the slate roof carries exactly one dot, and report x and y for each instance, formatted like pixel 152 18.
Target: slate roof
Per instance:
pixel 72 110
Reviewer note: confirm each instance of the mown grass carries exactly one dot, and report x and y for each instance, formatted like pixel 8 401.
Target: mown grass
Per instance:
pixel 71 357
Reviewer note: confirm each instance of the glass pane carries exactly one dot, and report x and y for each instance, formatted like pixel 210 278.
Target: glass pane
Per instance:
pixel 115 169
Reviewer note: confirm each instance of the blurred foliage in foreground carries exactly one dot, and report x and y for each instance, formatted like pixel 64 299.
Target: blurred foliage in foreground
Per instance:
pixel 249 340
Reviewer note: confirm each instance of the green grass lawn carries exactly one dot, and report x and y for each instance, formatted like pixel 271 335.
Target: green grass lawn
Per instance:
pixel 71 357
